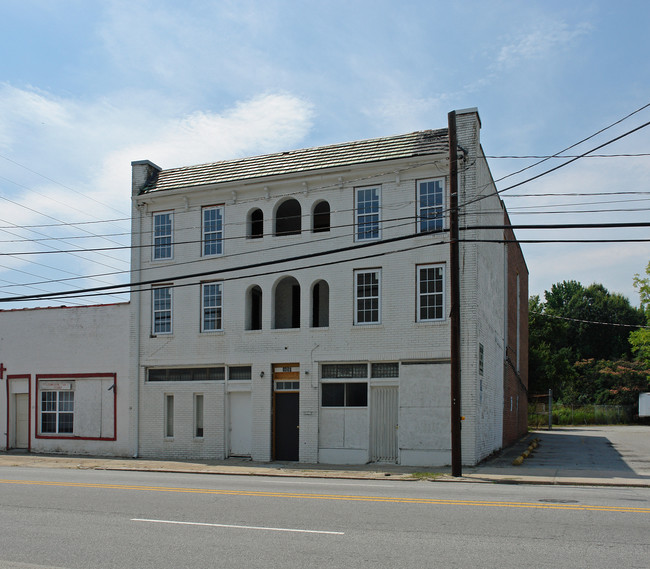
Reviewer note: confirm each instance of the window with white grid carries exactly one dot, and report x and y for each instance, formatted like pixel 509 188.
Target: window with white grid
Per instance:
pixel 57 412
pixel 212 230
pixel 163 226
pixel 431 195
pixel 431 292
pixel 161 313
pixel 367 295
pixel 368 214
pixel 211 313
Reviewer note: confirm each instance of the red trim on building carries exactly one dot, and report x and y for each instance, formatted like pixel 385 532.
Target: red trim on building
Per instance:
pixel 46 376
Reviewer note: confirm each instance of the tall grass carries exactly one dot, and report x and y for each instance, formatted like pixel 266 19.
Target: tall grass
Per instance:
pixel 584 415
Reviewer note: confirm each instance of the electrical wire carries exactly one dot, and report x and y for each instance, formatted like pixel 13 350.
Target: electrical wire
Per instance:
pixel 547 315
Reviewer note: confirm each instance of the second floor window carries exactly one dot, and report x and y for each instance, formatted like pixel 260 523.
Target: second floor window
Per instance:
pixel 161 310
pixel 431 292
pixel 213 230
pixel 367 295
pixel 212 307
pixel 368 213
pixel 163 226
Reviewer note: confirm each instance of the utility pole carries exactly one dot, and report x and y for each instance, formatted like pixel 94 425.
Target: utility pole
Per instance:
pixel 454 268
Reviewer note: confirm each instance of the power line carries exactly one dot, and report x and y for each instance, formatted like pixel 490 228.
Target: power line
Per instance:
pixel 58 183
pixel 560 156
pixel 577 143
pixel 575 158
pixel 588 321
pixel 621 225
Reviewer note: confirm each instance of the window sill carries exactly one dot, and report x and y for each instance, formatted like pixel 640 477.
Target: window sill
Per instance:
pixel 432 322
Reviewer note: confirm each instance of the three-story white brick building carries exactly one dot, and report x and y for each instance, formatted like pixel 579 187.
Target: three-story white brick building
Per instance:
pixel 294 306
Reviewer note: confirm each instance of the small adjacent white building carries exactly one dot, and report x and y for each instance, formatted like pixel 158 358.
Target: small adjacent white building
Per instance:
pixel 64 380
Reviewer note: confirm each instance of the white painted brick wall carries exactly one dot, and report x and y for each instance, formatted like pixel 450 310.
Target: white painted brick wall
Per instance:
pixel 67 341
pixel 399 337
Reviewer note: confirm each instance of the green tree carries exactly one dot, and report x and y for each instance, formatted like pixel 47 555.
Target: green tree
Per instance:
pixel 582 307
pixel 562 332
pixel 640 339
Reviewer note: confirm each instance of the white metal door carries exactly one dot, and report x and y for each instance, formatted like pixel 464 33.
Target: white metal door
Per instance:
pixel 383 427
pixel 241 421
pixel 22 420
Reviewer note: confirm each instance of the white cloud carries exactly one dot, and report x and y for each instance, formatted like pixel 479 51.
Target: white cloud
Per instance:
pixel 539 43
pixel 85 149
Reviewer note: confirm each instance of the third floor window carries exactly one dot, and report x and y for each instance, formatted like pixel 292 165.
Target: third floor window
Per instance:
pixel 163 226
pixel 212 230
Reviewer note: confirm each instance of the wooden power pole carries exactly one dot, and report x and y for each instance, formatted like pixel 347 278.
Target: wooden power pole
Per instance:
pixel 454 267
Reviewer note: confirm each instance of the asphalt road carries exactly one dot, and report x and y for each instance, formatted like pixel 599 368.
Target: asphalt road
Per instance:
pixel 98 519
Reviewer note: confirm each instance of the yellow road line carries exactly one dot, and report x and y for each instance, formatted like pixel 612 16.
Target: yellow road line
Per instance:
pixel 343 497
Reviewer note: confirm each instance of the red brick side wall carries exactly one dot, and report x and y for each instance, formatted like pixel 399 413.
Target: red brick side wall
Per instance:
pixel 515 396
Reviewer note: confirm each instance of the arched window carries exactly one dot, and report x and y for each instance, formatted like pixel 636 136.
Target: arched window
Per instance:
pixel 288 218
pixel 255 224
pixel 320 305
pixel 286 306
pixel 321 217
pixel 254 308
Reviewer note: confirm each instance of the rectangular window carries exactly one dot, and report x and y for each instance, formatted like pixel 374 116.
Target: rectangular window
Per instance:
pixel 368 213
pixel 163 226
pixel 336 371
pixel 186 374
pixel 57 412
pixel 384 370
pixel 198 415
pixel 213 230
pixel 283 385
pixel 239 372
pixel 367 293
pixel 344 394
pixel 431 205
pixel 161 310
pixel 431 292
pixel 211 310
pixel 169 416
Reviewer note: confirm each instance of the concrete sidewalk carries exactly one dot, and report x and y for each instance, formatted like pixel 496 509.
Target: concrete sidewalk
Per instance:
pixel 594 456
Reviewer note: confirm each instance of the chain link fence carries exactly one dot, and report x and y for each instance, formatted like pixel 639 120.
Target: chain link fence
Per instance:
pixel 540 409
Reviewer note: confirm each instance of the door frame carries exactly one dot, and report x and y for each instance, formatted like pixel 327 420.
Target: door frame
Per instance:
pixel 11 405
pixel 283 372
pixel 229 396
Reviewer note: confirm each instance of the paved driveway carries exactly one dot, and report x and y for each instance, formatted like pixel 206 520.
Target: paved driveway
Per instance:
pixel 607 454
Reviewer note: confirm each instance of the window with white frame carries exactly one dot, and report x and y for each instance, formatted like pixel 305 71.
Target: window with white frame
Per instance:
pixel 161 317
pixel 169 416
pixel 431 292
pixel 198 415
pixel 57 412
pixel 431 196
pixel 344 394
pixel 213 230
pixel 163 227
pixel 367 295
pixel 212 307
pixel 368 213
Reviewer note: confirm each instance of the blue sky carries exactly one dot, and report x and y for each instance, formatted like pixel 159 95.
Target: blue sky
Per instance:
pixel 87 87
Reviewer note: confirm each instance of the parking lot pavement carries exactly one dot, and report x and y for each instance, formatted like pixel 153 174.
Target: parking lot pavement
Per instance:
pixel 599 456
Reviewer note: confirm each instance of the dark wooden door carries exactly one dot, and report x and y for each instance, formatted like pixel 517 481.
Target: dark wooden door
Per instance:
pixel 287 422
